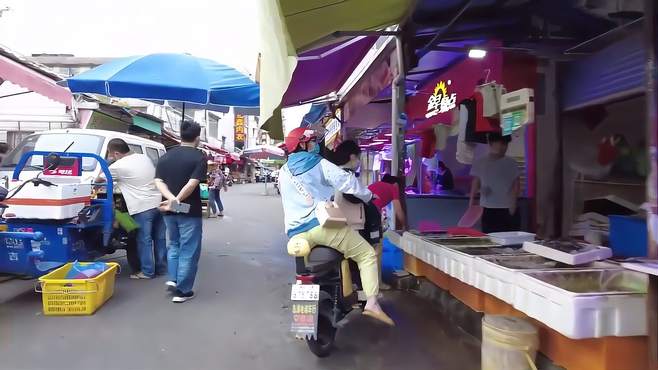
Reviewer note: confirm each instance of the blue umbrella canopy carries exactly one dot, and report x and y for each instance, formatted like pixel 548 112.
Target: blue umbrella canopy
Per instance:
pixel 176 77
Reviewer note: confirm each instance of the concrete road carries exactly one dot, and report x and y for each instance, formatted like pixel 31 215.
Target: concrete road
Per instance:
pixel 239 319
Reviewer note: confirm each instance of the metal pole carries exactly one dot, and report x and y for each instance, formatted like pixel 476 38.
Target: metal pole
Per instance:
pixel 418 162
pixel 651 68
pixel 398 123
pixel 397 109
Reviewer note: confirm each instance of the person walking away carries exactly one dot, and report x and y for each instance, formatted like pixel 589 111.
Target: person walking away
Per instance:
pixel 212 205
pixel 444 177
pixel 496 179
pixel 178 175
pixel 217 182
pixel 307 179
pixel 134 174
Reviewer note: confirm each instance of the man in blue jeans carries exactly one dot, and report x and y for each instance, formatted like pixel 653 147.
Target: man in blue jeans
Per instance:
pixel 177 176
pixel 134 174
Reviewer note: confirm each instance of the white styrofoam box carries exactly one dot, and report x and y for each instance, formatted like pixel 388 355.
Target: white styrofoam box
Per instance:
pixel 425 251
pixel 59 202
pixel 409 242
pixel 500 281
pixel 422 249
pixel 458 265
pixel 596 253
pixel 580 316
pixel 494 279
pixel 511 237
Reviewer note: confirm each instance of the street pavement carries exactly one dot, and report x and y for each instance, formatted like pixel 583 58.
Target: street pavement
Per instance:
pixel 239 319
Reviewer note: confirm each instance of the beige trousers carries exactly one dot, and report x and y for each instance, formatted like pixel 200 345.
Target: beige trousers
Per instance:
pixel 352 246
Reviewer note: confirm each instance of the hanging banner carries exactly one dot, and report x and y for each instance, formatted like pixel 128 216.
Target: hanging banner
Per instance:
pixel 239 131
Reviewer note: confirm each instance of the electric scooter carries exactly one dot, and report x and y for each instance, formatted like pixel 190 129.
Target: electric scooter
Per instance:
pixel 322 295
pixel 324 291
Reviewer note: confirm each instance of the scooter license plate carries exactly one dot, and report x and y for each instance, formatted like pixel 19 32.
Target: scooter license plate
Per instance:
pixel 305 292
pixel 305 309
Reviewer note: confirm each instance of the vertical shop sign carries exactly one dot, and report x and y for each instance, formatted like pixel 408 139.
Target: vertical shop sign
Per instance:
pixel 332 125
pixel 239 131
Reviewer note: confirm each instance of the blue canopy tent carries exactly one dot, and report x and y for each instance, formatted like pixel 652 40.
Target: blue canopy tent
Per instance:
pixel 175 77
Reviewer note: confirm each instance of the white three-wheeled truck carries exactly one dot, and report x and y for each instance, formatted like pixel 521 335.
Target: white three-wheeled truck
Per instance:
pixel 51 219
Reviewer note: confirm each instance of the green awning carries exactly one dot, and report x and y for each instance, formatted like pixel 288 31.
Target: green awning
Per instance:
pixel 290 26
pixel 103 121
pixel 147 124
pixel 274 125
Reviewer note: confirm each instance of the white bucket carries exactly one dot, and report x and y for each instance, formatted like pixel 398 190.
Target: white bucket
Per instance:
pixel 508 343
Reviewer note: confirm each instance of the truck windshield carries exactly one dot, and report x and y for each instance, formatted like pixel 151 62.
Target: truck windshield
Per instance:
pixel 82 143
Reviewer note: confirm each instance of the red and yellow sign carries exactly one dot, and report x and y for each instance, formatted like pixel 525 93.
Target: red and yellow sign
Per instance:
pixel 441 101
pixel 240 132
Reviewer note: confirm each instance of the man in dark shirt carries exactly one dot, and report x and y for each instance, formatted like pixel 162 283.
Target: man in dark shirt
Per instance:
pixel 177 176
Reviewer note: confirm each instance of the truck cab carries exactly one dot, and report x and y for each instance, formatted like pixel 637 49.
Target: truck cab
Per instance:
pixel 77 141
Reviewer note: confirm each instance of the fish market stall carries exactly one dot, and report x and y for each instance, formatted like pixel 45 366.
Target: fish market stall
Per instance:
pixel 595 307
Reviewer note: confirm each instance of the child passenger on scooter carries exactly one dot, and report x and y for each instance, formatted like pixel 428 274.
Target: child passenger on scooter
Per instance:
pixel 347 155
pixel 307 179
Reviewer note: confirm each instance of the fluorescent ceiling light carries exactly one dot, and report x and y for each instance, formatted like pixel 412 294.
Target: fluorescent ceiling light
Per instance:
pixel 477 53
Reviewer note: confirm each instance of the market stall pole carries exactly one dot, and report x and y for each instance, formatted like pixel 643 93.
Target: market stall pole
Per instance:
pixel 398 117
pixel 398 120
pixel 651 40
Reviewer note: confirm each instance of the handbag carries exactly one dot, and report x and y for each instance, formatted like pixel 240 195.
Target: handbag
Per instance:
pixel 327 213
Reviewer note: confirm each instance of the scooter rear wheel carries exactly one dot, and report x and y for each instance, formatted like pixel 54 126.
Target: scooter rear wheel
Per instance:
pixel 324 343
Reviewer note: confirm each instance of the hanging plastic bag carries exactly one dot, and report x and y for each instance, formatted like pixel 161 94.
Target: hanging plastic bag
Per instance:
pixel 126 221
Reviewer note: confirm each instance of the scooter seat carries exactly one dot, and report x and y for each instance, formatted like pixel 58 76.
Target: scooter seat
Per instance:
pixel 323 258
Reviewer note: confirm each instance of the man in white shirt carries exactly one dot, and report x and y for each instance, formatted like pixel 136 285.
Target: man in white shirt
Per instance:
pixel 134 174
pixel 496 178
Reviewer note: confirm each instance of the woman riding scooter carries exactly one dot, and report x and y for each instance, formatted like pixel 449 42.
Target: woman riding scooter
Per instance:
pixel 307 179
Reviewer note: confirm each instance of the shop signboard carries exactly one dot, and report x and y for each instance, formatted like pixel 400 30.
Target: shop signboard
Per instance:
pixel 436 101
pixel 441 100
pixel 240 133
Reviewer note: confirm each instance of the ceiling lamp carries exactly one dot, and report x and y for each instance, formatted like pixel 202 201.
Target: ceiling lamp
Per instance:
pixel 477 53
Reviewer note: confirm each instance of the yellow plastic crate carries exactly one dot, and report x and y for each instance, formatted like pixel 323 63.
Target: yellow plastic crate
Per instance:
pixel 63 296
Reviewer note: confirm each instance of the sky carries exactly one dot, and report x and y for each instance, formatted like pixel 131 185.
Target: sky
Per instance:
pixel 222 30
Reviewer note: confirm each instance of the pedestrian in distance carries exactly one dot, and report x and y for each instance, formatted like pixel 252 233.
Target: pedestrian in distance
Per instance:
pixel 178 175
pixel 134 174
pixel 216 182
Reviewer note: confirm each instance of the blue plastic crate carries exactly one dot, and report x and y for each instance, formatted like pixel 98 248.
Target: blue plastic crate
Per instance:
pixel 628 236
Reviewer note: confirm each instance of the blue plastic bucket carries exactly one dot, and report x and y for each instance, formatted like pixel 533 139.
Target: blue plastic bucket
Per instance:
pixel 628 236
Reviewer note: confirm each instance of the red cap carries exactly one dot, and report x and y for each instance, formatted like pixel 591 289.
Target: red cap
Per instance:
pixel 298 135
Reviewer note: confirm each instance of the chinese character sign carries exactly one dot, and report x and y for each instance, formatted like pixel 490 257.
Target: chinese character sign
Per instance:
pixel 240 136
pixel 441 101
